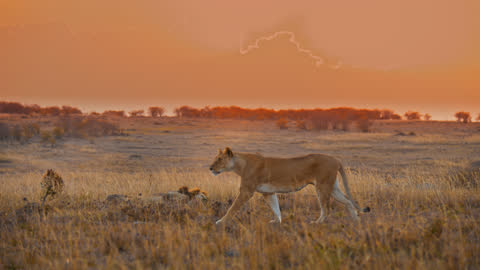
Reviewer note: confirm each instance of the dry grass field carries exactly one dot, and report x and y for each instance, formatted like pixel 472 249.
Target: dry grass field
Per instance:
pixel 423 188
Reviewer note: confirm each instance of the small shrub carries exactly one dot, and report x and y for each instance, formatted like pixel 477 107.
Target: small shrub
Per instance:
pixel 17 133
pixel 319 124
pixel 83 127
pixel 47 137
pixel 35 128
pixel 136 113
pixel 27 132
pixel 4 131
pixel 301 125
pixel 58 132
pixel 364 125
pixel 466 178
pixel 114 113
pixel 345 125
pixel 282 123
pixel 413 115
pixel 427 117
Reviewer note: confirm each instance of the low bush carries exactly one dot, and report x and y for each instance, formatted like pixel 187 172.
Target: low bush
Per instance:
pixel 301 125
pixel 58 132
pixel 87 126
pixel 4 131
pixel 364 125
pixel 282 123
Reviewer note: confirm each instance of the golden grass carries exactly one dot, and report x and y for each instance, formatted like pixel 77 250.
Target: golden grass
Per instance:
pixel 422 189
pixel 419 221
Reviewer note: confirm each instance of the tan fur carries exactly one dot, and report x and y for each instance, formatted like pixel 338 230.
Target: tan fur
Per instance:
pixel 191 193
pixel 52 184
pixel 269 176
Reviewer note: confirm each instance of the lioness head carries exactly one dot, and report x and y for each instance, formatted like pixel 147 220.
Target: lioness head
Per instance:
pixel 223 162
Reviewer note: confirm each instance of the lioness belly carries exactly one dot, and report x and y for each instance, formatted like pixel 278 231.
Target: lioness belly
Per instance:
pixel 270 188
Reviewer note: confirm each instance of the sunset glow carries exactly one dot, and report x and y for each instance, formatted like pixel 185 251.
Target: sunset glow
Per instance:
pixel 419 55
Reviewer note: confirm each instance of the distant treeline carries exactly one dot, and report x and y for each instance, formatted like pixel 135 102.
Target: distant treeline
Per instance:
pixel 16 107
pixel 234 112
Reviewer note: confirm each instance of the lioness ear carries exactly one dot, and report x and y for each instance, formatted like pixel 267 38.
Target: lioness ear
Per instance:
pixel 229 152
pixel 220 151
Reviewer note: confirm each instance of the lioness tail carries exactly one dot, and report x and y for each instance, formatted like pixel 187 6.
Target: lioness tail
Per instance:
pixel 347 190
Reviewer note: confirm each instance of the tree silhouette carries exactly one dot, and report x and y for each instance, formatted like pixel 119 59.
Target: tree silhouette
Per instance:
pixel 463 117
pixel 114 113
pixel 156 111
pixel 413 115
pixel 136 113
pixel 427 117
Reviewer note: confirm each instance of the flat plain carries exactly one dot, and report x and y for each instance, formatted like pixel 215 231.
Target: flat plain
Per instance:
pixel 420 178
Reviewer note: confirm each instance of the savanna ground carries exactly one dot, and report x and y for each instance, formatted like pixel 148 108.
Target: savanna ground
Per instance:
pixel 423 190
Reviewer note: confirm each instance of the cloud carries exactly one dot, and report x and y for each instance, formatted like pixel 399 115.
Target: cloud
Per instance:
pixel 319 60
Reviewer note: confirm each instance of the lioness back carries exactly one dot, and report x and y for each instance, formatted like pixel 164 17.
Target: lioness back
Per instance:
pixel 292 173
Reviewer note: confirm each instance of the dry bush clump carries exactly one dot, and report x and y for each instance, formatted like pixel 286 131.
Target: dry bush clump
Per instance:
pixel 19 132
pixel 84 127
pixel 364 125
pixel 156 111
pixel 282 123
pixel 48 138
pixel 463 117
pixel 136 113
pixel 468 177
pixel 52 185
pixel 301 125
pixel 4 131
pixel 319 123
pixel 58 132
pixel 410 115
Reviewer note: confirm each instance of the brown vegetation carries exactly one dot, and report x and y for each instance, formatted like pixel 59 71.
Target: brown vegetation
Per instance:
pixel 235 112
pixel 19 132
pixel 156 111
pixel 301 125
pixel 136 113
pixel 364 125
pixel 18 108
pixel 425 202
pixel 463 117
pixel 87 126
pixel 389 115
pixel 282 123
pixel 112 113
pixel 410 115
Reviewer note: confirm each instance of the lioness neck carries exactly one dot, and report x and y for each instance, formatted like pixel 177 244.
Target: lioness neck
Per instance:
pixel 241 162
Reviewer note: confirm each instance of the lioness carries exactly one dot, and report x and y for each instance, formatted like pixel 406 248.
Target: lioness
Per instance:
pixel 269 176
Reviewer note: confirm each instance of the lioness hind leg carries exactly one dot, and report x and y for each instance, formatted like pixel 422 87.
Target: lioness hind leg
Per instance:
pixel 273 202
pixel 323 196
pixel 340 197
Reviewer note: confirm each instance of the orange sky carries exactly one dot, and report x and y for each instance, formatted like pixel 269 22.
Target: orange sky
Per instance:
pixel 422 55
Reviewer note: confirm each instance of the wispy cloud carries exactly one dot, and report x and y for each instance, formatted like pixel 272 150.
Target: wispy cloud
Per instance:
pixel 319 60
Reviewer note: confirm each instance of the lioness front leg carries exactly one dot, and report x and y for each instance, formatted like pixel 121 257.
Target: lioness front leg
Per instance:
pixel 241 199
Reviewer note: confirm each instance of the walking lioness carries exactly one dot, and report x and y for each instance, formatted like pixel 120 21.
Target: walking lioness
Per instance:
pixel 270 176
